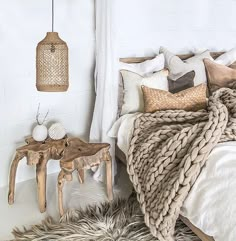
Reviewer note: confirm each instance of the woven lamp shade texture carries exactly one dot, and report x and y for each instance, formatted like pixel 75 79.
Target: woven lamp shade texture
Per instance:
pixel 52 71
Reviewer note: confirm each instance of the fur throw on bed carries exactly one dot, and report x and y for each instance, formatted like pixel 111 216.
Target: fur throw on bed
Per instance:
pixel 167 152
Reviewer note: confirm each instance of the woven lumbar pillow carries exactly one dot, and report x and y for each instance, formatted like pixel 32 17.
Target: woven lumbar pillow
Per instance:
pixel 191 99
pixel 219 76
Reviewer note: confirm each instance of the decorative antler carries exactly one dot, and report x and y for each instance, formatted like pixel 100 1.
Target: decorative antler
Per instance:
pixel 38 115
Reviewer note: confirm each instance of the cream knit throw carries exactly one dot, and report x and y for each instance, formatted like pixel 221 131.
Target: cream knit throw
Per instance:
pixel 167 152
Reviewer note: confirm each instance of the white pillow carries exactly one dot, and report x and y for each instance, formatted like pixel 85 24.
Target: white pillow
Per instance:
pixel 177 67
pixel 133 96
pixel 147 67
pixel 227 58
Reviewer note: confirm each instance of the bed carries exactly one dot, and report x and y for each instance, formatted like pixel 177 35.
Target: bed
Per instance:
pixel 121 156
pixel 120 152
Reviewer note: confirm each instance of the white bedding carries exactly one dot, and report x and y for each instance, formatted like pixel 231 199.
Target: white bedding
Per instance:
pixel 211 204
pixel 122 130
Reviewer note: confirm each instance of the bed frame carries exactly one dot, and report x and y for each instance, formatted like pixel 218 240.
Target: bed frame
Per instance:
pixel 121 156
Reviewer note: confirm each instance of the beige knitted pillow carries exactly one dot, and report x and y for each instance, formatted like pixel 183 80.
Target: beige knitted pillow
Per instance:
pixel 191 99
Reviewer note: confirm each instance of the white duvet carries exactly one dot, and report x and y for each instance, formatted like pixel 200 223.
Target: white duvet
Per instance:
pixel 211 203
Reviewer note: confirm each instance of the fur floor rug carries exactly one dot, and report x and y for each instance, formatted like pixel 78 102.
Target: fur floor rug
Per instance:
pixel 120 220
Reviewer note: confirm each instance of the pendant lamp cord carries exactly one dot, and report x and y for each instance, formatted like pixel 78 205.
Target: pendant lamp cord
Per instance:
pixel 52 15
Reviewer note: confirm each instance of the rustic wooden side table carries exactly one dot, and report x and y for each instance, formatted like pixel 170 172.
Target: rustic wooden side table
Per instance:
pixel 73 153
pixel 36 153
pixel 79 155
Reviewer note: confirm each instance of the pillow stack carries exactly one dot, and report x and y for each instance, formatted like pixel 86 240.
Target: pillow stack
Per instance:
pixel 133 97
pixel 168 82
pixel 150 73
pixel 191 99
pixel 178 67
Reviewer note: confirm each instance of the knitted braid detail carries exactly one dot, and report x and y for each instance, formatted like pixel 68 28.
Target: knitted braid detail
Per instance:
pixel 167 152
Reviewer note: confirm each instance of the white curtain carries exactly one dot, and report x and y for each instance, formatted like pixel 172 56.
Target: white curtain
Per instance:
pixel 106 81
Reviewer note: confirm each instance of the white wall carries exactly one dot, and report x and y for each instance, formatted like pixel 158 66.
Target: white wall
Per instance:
pixel 22 25
pixel 142 26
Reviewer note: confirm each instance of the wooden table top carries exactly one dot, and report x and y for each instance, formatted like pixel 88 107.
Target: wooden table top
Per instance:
pixel 67 150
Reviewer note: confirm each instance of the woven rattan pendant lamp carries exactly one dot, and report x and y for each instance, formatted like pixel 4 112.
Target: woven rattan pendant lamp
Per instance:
pixel 52 74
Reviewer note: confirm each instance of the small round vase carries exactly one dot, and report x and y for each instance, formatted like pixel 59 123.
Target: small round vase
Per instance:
pixel 57 131
pixel 40 133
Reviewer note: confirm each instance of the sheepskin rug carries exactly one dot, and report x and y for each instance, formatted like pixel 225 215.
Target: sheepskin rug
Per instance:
pixel 120 220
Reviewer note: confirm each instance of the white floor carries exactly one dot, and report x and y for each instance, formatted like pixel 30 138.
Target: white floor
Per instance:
pixel 25 212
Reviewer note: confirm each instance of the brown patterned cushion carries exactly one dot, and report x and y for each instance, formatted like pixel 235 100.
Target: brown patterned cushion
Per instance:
pixel 191 99
pixel 182 83
pixel 219 76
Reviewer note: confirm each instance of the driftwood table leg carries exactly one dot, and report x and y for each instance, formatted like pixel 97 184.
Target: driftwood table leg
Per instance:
pixel 12 178
pixel 60 184
pixel 81 175
pixel 109 177
pixel 41 175
pixel 68 177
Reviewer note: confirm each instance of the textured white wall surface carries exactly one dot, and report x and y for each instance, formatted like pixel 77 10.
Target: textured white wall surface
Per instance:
pixel 142 26
pixel 22 25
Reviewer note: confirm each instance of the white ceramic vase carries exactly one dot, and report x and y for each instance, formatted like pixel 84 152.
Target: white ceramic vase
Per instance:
pixel 57 131
pixel 40 133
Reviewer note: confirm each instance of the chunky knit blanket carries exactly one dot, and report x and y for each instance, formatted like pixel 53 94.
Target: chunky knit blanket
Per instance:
pixel 167 152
